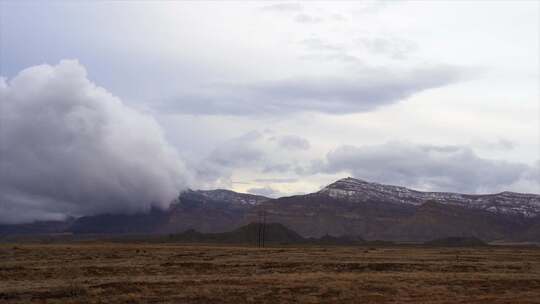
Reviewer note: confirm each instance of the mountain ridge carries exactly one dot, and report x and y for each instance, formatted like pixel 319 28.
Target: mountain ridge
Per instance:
pixel 526 204
pixel 346 207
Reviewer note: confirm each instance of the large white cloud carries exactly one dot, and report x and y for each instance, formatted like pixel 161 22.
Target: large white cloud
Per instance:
pixel 69 147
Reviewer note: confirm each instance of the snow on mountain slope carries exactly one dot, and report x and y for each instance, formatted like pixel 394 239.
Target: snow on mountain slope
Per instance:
pixel 356 190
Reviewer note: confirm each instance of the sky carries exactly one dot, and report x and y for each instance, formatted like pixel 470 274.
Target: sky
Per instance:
pixel 118 106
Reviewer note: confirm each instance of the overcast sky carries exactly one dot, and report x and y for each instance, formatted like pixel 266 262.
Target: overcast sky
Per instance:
pixel 139 100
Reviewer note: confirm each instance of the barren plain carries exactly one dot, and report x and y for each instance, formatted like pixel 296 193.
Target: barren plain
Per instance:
pixel 99 272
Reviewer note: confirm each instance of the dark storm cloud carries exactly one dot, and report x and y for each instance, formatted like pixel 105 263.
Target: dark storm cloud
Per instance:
pixel 69 147
pixel 368 90
pixel 440 168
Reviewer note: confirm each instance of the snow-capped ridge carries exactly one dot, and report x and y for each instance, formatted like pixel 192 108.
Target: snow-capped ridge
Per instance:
pixel 229 196
pixel 506 202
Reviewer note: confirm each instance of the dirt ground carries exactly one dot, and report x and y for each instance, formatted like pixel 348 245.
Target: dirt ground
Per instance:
pixel 166 273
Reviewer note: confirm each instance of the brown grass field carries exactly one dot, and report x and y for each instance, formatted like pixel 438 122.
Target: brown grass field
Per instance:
pixel 172 273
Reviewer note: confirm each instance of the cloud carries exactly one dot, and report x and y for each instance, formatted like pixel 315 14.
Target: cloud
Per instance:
pixel 339 57
pixel 368 90
pixel 283 7
pixel 256 152
pixel 374 7
pixel 276 180
pixel 291 7
pixel 499 144
pixel 292 142
pixel 265 191
pixel 69 147
pixel 529 180
pixel 428 167
pixel 321 45
pixel 338 17
pixel 277 167
pixel 241 151
pixel 305 18
pixel 393 47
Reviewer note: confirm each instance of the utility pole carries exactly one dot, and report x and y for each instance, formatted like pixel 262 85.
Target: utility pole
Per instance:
pixel 259 229
pixel 263 227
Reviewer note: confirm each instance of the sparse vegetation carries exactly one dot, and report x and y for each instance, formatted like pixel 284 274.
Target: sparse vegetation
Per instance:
pixel 97 272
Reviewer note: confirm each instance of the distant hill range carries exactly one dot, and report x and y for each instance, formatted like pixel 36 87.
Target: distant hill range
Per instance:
pixel 457 242
pixel 262 234
pixel 347 207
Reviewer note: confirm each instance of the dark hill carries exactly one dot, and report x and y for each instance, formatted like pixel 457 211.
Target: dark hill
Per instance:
pixel 274 233
pixel 205 211
pixel 316 215
pixel 339 240
pixel 139 223
pixel 39 227
pixel 435 220
pixel 532 233
pixel 457 242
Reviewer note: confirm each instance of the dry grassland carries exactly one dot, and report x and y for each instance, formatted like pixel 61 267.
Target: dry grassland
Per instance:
pixel 165 273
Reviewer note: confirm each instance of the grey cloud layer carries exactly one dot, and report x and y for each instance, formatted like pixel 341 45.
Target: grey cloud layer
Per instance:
pixel 242 151
pixel 440 168
pixel 255 151
pixel 392 47
pixel 370 89
pixel 276 180
pixel 265 191
pixel 425 167
pixel 292 142
pixel 71 148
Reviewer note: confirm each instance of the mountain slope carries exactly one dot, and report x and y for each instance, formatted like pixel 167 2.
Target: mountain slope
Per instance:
pixel 346 207
pixel 203 210
pixel 39 227
pixel 375 211
pixel 356 190
pixel 315 215
pixel 274 233
pixel 435 220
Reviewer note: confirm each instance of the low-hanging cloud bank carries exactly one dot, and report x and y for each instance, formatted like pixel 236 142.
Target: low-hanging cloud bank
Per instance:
pixel 69 147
